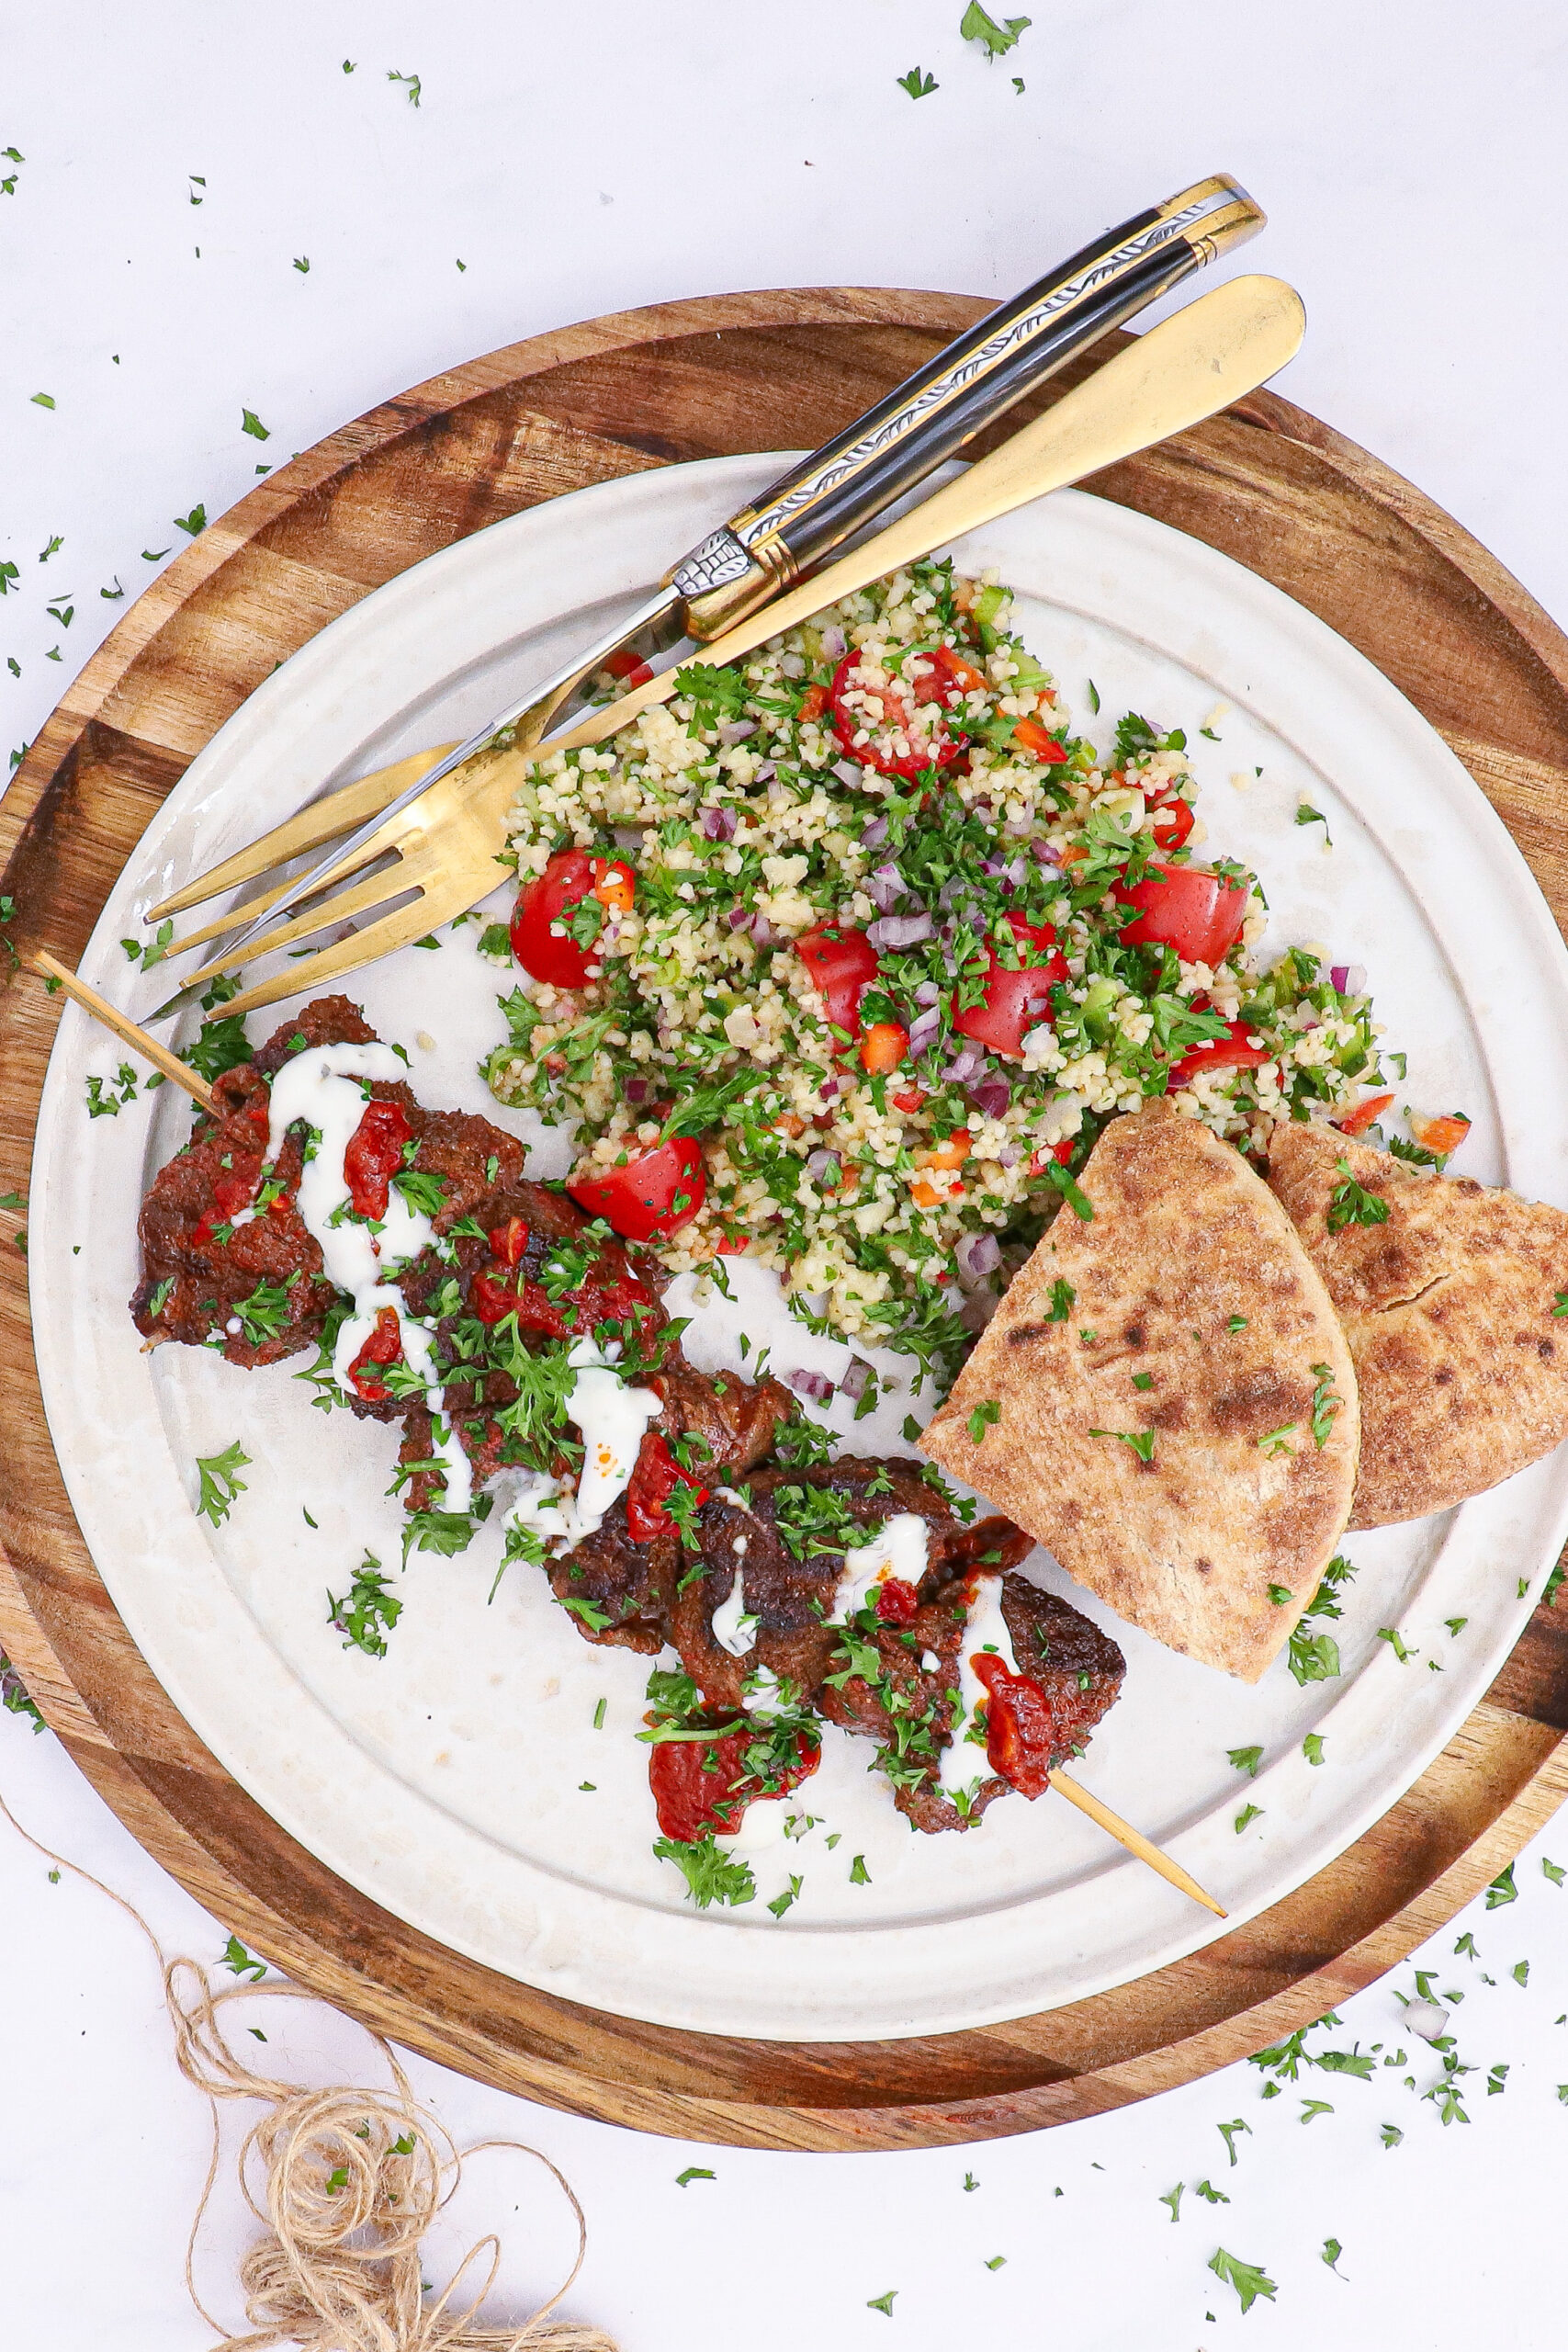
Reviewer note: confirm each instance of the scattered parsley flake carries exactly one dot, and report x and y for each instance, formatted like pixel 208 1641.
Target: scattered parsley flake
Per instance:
pixel 1247 1813
pixel 984 1417
pixel 1173 2199
pixel 1389 1634
pixel 1312 1748
pixel 1248 2278
pixel 1246 1760
pixel 221 1482
pixel 996 40
pixel 858 1874
pixel 711 1876
pixel 693 2172
pixel 1352 1203
pixel 918 85
pixel 240 1962
pixel 194 522
pixel 366 1612
pixel 1554 1870
pixel 1228 2133
pixel 250 423
pixel 1312 2108
pixel 1141 1440
pixel 1391 2135
pixel 414 85
pixel 1307 815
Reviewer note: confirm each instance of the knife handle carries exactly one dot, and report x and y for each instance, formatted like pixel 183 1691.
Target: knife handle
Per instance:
pixel 822 499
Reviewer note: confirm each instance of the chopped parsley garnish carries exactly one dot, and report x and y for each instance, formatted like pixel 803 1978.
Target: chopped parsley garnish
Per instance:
pixel 710 1874
pixel 1312 1748
pixel 693 2172
pixel 996 40
pixel 221 1482
pixel 265 1313
pixel 241 1962
pixel 1326 1405
pixel 1391 1636
pixel 1246 1760
pixel 1064 1297
pixel 919 86
pixel 366 1611
pixel 1352 1203
pixel 1502 1890
pixel 1249 1813
pixel 985 1417
pixel 1248 2278
pixel 1141 1440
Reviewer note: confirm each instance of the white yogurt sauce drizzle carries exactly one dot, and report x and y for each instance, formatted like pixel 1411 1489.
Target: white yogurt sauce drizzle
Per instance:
pixel 733 1629
pixel 899 1548
pixel 612 1417
pixel 963 1765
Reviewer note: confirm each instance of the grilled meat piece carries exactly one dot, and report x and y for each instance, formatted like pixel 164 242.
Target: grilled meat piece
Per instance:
pixel 1075 1672
pixel 789 1588
pixel 632 1585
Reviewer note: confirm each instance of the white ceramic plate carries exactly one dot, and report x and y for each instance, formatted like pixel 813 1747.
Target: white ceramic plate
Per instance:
pixel 447 1781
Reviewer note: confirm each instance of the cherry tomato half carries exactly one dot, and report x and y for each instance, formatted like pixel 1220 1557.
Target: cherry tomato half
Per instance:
pixel 897 742
pixel 653 1196
pixel 1220 1053
pixel 1171 823
pixel 842 964
pixel 1185 907
pixel 553 896
pixel 1015 1002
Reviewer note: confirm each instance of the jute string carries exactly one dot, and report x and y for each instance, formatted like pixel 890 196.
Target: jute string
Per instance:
pixel 350 2180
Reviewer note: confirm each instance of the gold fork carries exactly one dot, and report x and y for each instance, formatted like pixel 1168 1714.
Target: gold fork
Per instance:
pixel 444 848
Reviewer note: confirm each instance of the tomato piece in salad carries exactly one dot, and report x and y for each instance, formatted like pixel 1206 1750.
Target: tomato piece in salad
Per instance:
pixel 1015 1002
pixel 1234 1052
pixel 1031 736
pixel 1371 1107
pixel 842 964
pixel 1185 907
pixel 894 724
pixel 569 881
pixel 884 1046
pixel 652 1195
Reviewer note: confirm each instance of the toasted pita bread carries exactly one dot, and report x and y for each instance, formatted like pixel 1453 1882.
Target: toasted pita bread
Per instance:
pixel 1448 1305
pixel 1195 1543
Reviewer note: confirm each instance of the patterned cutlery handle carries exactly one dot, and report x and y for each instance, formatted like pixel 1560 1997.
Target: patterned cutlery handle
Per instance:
pixel 815 506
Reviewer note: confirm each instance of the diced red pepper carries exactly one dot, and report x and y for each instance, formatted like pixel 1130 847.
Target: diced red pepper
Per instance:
pixel 884 1046
pixel 1015 1002
pixel 384 1346
pixel 1442 1135
pixel 814 702
pixel 373 1155
pixel 694 1782
pixel 1033 737
pixel 653 1196
pixel 910 1100
pixel 653 1481
pixel 1021 1737
pixel 1373 1106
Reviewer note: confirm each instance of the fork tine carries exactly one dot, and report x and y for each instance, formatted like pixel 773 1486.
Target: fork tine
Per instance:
pixel 376 939
pixel 355 901
pixel 339 812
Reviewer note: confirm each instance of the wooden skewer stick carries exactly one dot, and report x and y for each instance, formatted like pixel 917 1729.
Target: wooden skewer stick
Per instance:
pixel 1134 1841
pixel 127 1032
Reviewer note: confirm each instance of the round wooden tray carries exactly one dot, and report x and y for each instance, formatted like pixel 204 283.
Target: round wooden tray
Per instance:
pixel 1266 484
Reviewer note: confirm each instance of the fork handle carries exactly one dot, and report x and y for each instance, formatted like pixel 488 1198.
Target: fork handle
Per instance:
pixel 816 505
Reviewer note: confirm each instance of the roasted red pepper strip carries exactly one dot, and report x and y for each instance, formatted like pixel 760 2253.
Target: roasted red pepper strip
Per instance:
pixel 385 1345
pixel 374 1155
pixel 896 1601
pixel 693 1782
pixel 235 1190
pixel 1022 1738
pixel 653 1481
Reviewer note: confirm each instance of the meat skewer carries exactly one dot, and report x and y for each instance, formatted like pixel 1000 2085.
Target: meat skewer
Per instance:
pixel 739 1423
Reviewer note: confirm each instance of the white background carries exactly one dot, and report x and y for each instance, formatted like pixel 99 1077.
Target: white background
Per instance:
pixel 581 158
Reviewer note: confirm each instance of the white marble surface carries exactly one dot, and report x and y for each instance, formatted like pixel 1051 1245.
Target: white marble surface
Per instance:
pixel 578 163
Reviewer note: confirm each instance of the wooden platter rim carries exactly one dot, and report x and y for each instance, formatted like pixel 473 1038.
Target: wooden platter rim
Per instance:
pixel 1531 1778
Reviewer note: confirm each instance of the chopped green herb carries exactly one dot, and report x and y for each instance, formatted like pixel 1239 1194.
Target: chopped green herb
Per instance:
pixel 693 2172
pixel 1390 1635
pixel 710 1875
pixel 1249 1813
pixel 1502 1890
pixel 240 1962
pixel 366 1612
pixel 1141 1440
pixel 1173 2199
pixel 1246 1760
pixel 984 1417
pixel 1352 1203
pixel 996 40
pixel 858 1874
pixel 1307 815
pixel 1248 2279
pixel 1312 1748
pixel 918 85
pixel 221 1482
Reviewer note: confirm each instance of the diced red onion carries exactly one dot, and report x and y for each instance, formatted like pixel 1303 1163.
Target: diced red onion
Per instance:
pixel 875 834
pixel 979 1306
pixel 834 643
pixel 1355 980
pixel 1009 870
pixel 718 824
pixel 815 1385
pixel 638 1089
pixel 764 934
pixel 766 771
pixel 629 836
pixel 884 886
pixel 848 770
pixel 1008 1156
pixel 924 1030
pixel 991 1095
pixel 894 931
pixel 927 993
pixel 739 918
pixel 793 665
pixel 735 731
pixel 831 1088
pixel 1045 852
pixel 967 1063
pixel 852 1384
pixel 823 1167
pixel 977 1255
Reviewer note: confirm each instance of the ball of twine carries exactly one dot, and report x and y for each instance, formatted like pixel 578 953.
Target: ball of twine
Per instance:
pixel 346 2182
